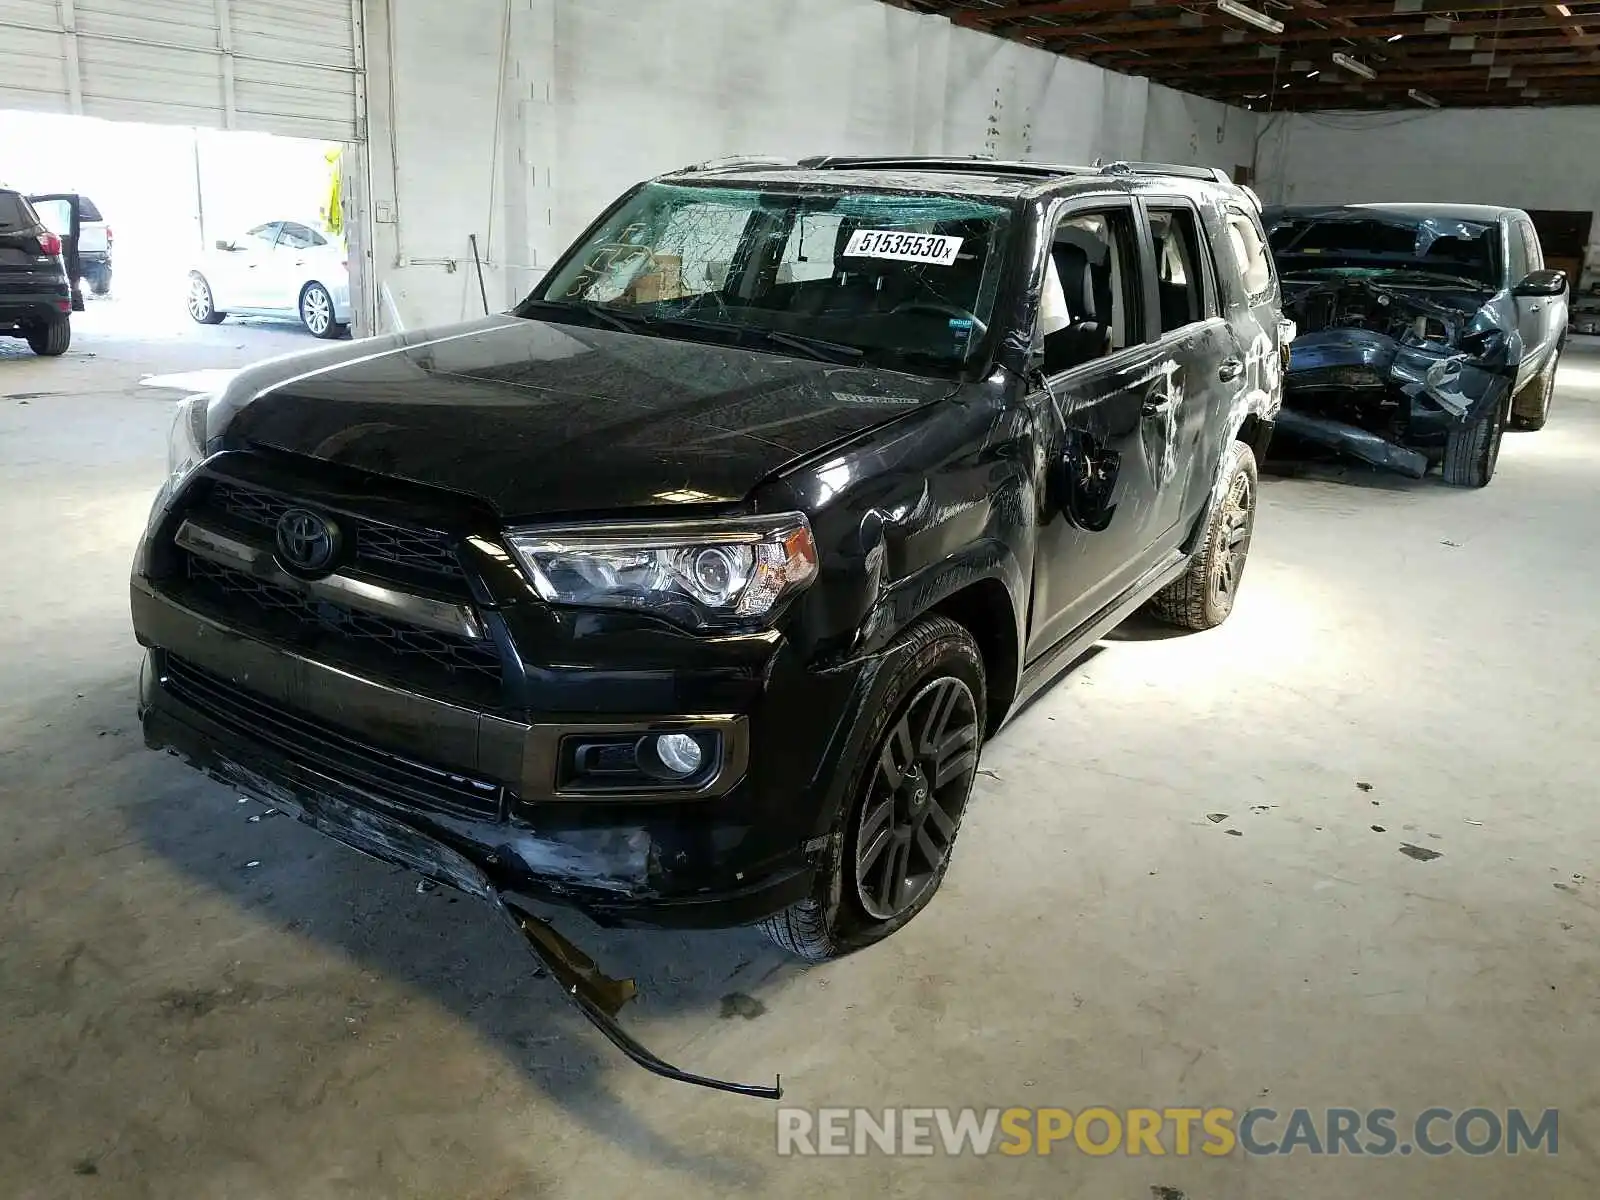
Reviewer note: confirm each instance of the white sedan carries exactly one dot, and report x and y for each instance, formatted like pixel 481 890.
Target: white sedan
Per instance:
pixel 276 269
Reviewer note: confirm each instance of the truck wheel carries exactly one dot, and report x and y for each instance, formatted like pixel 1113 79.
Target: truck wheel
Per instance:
pixel 201 306
pixel 1535 410
pixel 51 338
pixel 1471 452
pixel 907 792
pixel 1202 597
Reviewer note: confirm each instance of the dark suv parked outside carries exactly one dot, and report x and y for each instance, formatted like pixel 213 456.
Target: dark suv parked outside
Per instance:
pixel 35 297
pixel 686 593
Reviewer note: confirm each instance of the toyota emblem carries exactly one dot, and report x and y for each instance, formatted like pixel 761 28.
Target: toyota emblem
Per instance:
pixel 307 543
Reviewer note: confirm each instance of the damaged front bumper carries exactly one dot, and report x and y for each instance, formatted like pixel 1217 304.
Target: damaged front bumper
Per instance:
pixel 1386 401
pixel 345 813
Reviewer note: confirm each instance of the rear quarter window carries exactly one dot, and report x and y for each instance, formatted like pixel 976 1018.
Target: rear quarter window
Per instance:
pixel 87 211
pixel 14 212
pixel 1252 273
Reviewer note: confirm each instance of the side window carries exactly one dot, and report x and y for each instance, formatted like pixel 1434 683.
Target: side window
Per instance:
pixel 1516 251
pixel 1089 306
pixel 1249 253
pixel 299 237
pixel 264 235
pixel 1181 283
pixel 1530 241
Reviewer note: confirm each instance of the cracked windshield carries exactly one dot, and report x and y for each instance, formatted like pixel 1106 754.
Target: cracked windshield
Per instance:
pixel 901 281
pixel 1466 251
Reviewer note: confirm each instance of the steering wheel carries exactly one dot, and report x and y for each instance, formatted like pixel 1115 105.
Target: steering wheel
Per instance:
pixel 937 306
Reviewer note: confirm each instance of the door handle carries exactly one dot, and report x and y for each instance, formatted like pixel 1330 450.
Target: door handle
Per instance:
pixel 1533 308
pixel 1230 370
pixel 1154 408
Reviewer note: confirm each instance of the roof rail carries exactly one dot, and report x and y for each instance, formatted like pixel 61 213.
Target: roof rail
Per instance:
pixel 972 163
pixel 1211 174
pixel 733 162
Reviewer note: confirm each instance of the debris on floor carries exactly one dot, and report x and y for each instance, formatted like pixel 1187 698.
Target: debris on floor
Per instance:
pixel 1216 818
pixel 1420 853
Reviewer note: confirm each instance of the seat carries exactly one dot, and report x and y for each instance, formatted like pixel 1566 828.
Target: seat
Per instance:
pixel 1086 336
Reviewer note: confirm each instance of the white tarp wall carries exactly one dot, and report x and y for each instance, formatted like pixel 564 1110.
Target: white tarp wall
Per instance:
pixel 519 120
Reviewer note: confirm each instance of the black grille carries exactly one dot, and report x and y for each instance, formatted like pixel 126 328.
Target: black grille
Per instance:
pixel 401 780
pixel 377 545
pixel 363 640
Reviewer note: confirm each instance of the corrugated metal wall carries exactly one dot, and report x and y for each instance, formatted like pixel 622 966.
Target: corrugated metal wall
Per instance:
pixel 291 67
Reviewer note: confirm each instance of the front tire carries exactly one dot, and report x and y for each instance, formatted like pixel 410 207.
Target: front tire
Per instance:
pixel 907 792
pixel 1536 411
pixel 1471 452
pixel 51 339
pixel 201 306
pixel 316 312
pixel 1203 596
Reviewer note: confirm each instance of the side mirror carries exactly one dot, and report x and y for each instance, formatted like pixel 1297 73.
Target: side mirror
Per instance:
pixel 225 244
pixel 1542 283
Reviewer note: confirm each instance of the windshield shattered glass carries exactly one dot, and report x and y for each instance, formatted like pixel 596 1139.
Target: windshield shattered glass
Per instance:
pixel 1467 250
pixel 897 280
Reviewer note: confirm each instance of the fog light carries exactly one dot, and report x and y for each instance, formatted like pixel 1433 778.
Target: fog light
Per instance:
pixel 679 753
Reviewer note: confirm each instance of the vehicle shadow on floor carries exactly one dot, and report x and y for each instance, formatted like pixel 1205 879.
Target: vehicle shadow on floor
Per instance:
pixel 457 952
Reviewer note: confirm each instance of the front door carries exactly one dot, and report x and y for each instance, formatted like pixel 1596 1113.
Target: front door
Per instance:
pixel 1108 390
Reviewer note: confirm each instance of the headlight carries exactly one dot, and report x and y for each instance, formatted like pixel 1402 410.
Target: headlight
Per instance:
pixel 186 447
pixel 696 574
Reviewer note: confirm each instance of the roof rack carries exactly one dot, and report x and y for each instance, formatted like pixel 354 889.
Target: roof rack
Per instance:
pixel 973 164
pixel 1211 174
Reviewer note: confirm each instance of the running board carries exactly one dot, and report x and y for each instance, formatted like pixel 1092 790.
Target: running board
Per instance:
pixel 1042 672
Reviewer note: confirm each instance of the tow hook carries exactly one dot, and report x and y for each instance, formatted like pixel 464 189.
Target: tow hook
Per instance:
pixel 600 998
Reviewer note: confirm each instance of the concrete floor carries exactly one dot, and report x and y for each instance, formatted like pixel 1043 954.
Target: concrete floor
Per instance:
pixel 195 1004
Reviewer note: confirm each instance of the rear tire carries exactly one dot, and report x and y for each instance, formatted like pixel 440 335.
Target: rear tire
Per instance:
pixel 201 305
pixel 1203 596
pixel 1471 452
pixel 316 312
pixel 51 339
pixel 907 792
pixel 100 282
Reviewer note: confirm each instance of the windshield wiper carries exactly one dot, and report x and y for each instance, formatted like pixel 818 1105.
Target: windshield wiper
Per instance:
pixel 818 348
pixel 618 319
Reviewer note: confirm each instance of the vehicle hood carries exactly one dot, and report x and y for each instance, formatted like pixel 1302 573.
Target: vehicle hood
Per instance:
pixel 539 418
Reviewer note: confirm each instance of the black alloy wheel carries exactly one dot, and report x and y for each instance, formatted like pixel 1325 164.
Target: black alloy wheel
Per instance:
pixel 1233 548
pixel 918 789
pixel 902 802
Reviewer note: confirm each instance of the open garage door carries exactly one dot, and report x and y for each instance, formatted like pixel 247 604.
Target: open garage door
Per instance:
pixel 277 66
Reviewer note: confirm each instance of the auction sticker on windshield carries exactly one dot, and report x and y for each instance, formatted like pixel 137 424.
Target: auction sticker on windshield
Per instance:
pixel 906 247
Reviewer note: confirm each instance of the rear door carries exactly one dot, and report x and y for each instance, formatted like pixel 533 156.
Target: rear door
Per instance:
pixel 295 260
pixel 1187 432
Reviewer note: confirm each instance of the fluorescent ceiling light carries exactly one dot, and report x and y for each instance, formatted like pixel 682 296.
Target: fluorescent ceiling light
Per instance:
pixel 1423 98
pixel 1313 74
pixel 1563 10
pixel 1342 59
pixel 1250 16
pixel 1396 37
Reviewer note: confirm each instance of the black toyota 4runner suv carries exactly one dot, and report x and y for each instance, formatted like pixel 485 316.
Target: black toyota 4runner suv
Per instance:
pixel 686 593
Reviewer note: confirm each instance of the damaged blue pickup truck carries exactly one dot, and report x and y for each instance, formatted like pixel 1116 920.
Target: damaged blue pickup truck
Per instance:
pixel 1424 329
